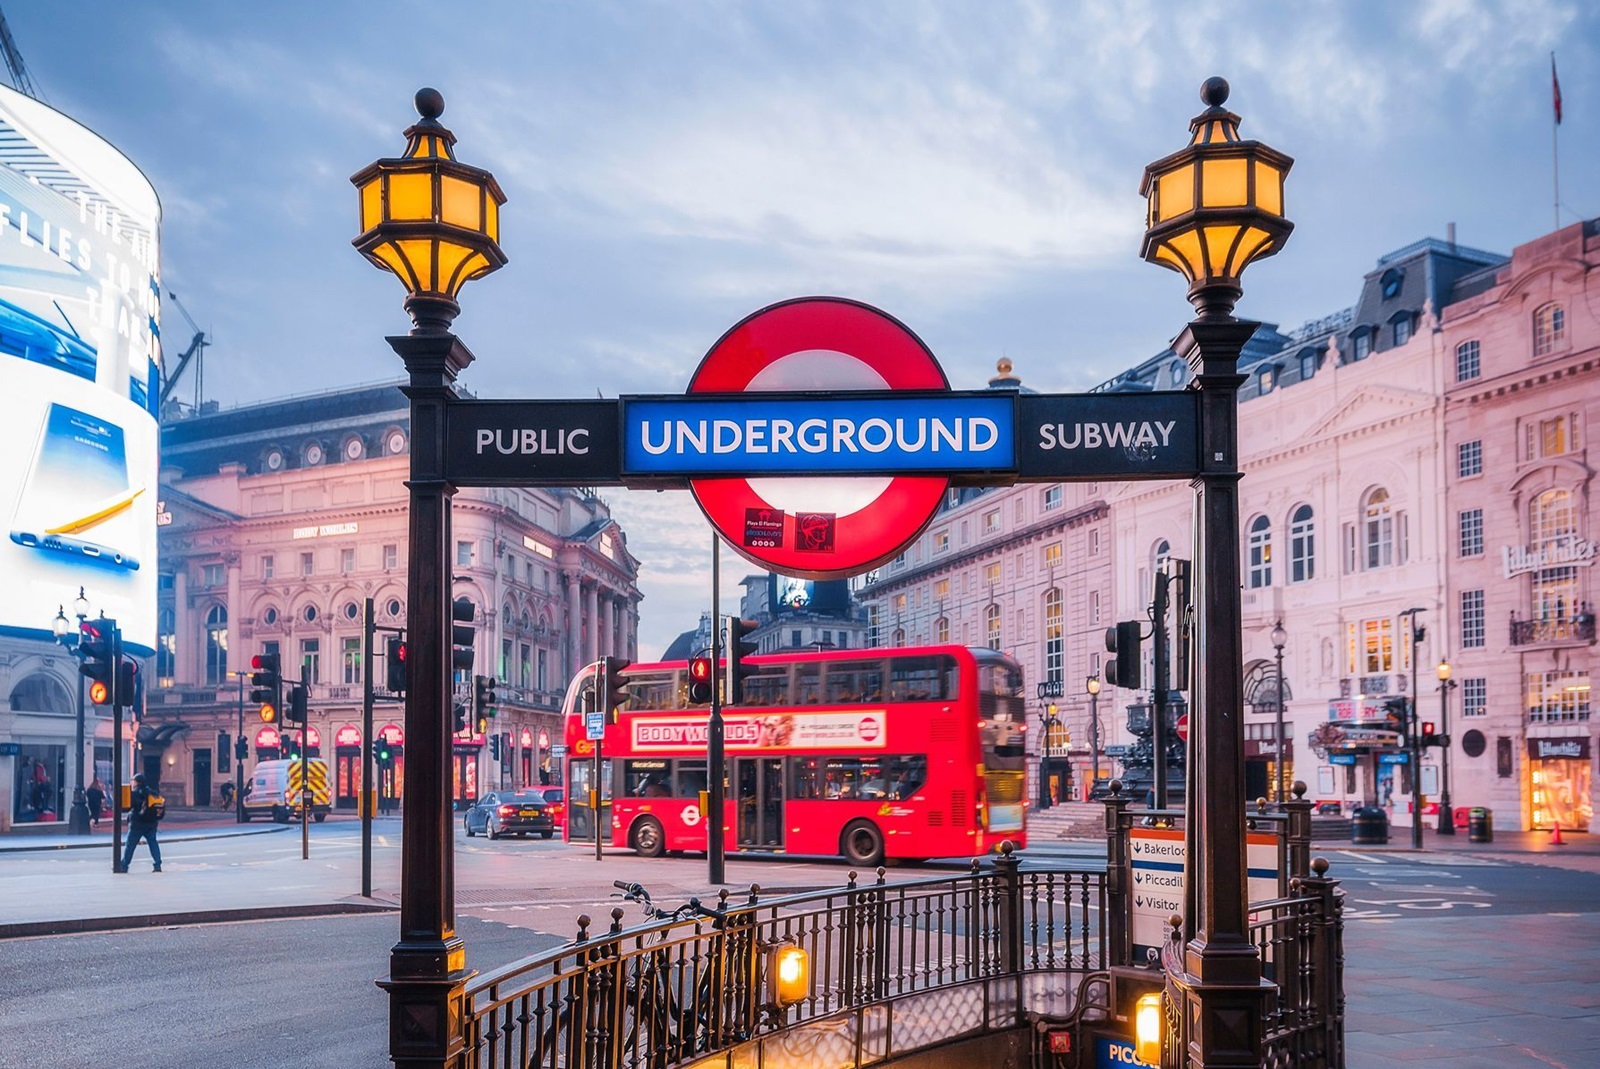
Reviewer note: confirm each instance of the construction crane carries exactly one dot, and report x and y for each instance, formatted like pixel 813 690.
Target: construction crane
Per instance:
pixel 195 352
pixel 14 64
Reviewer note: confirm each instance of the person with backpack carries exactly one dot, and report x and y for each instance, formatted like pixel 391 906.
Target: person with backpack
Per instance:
pixel 146 808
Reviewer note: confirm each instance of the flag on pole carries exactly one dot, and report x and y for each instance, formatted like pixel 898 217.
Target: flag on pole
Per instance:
pixel 1555 87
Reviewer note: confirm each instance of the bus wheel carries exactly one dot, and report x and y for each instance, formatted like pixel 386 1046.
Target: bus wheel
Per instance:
pixel 648 839
pixel 862 843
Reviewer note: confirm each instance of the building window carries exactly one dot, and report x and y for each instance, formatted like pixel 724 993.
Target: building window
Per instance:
pixel 898 602
pixel 991 622
pixel 1308 363
pixel 1260 553
pixel 1054 645
pixel 1549 329
pixel 991 574
pixel 941 589
pixel 311 659
pixel 308 564
pixel 941 542
pixel 347 560
pixel 1267 378
pixel 1468 366
pixel 1378 529
pixel 991 522
pixel 1051 498
pixel 1361 346
pixel 1551 516
pixel 1470 523
pixel 211 575
pixel 1019 510
pixel 941 630
pixel 872 625
pixel 795 637
pixel 391 557
pixel 1469 459
pixel 541 667
pixel 898 564
pixel 267 565
pixel 1302 546
pixel 1551 437
pixel 1558 696
pixel 1094 606
pixel 217 646
pixel 1555 594
pixel 1052 555
pixel 1474 697
pixel 1402 330
pixel 166 648
pixel 463 554
pixel 1370 646
pixel 524 665
pixel 350 659
pixel 1472 619
pixel 505 656
pixel 1094 541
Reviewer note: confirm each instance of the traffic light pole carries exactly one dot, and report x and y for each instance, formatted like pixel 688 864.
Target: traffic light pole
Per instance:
pixel 1158 690
pixel 1414 731
pixel 368 746
pixel 238 761
pixel 116 752
pixel 716 753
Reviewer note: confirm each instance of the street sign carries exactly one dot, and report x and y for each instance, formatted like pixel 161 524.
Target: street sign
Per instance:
pixel 819 528
pixel 1156 857
pixel 594 726
pixel 1182 727
pixel 1112 435
pixel 532 443
pixel 1049 688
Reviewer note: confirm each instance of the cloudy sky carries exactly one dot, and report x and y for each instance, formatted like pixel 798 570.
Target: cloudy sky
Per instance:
pixel 970 167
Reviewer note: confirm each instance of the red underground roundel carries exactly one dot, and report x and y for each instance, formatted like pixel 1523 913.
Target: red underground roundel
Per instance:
pixel 819 527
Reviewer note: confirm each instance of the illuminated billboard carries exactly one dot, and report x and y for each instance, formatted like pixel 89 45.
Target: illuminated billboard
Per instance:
pixel 81 357
pixel 827 597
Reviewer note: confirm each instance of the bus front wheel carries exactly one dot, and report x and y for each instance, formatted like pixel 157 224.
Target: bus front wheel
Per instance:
pixel 862 843
pixel 648 839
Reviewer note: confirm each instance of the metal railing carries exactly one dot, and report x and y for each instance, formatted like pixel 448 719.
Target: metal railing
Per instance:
pixel 1579 628
pixel 894 967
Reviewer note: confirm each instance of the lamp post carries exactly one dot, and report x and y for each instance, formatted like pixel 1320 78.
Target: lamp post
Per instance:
pixel 1280 638
pixel 1414 727
pixel 1447 824
pixel 1092 686
pixel 78 818
pixel 435 224
pixel 1215 206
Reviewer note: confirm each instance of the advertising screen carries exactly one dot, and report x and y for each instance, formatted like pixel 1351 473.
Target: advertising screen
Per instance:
pixel 80 362
pixel 828 597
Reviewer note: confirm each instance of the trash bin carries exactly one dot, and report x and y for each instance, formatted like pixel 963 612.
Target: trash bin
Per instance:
pixel 1369 826
pixel 1480 825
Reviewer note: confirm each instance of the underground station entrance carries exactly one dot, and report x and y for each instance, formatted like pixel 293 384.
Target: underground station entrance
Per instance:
pixel 1209 938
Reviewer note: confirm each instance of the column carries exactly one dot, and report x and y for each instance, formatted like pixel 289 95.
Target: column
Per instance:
pixel 237 660
pixel 604 614
pixel 184 637
pixel 590 623
pixel 574 625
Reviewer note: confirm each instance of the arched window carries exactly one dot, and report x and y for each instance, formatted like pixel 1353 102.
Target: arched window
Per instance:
pixel 1553 517
pixel 1549 329
pixel 1162 554
pixel 899 638
pixel 1377 524
pixel 991 623
pixel 166 648
pixel 41 693
pixel 941 629
pixel 1260 553
pixel 1302 545
pixel 217 646
pixel 1054 649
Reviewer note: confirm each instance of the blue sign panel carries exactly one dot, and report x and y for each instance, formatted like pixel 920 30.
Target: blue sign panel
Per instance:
pixel 1342 759
pixel 1116 1054
pixel 594 726
pixel 851 434
pixel 1394 758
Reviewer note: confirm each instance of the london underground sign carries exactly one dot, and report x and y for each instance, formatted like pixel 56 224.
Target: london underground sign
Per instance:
pixel 819 436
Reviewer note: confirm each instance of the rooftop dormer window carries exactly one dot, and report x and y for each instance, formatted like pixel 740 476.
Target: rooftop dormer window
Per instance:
pixel 1389 283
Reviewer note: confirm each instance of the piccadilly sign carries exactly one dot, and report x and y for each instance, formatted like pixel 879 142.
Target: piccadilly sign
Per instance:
pixel 819 437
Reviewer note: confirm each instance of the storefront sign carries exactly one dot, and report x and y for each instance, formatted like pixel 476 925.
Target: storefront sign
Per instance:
pixel 1554 553
pixel 1348 709
pixel 267 738
pixel 527 738
pixel 347 736
pixel 392 735
pixel 1342 759
pixel 1571 747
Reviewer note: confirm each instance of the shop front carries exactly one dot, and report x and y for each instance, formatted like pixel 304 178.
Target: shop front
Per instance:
pixel 1560 782
pixel 347 767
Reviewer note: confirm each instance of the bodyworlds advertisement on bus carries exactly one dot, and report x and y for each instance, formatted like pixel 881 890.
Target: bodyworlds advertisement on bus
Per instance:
pixel 80 348
pixel 763 731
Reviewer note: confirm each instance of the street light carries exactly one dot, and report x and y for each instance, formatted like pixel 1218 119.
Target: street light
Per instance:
pixel 1414 726
pixel 1279 638
pixel 78 817
pixel 1092 686
pixel 435 223
pixel 1214 207
pixel 1047 725
pixel 1447 824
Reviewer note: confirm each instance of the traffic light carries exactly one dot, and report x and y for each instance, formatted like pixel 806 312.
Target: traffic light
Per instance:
pixel 95 647
pixel 462 634
pixel 494 747
pixel 1394 718
pixel 264 683
pixel 1122 642
pixel 385 752
pixel 241 748
pixel 740 647
pixel 130 687
pixel 614 692
pixel 395 663
pixel 460 723
pixel 483 696
pixel 700 681
pixel 294 711
pixel 1431 737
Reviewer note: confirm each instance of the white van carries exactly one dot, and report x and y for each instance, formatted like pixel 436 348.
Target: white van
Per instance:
pixel 273 790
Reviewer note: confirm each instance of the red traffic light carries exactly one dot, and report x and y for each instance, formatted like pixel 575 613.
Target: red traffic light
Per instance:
pixel 700 670
pixel 1427 727
pixel 400 652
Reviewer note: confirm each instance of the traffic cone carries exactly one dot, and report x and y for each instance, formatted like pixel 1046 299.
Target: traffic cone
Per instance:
pixel 1555 835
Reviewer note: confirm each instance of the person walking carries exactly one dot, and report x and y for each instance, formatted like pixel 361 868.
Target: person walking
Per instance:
pixel 145 810
pixel 96 797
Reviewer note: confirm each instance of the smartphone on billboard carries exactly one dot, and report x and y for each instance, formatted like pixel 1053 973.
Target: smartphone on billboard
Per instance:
pixel 76 499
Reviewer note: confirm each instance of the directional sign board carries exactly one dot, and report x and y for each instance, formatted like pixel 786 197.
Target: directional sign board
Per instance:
pixel 532 443
pixel 1156 858
pixel 594 726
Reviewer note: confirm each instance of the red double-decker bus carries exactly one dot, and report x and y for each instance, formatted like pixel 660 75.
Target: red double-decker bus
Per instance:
pixel 868 754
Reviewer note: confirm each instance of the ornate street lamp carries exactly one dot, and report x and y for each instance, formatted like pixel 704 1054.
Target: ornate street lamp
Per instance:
pixel 1279 638
pixel 1447 823
pixel 78 817
pixel 1216 206
pixel 435 223
pixel 1092 686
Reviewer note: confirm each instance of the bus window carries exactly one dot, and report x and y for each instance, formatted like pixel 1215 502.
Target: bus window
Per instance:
pixel 767 687
pixel 920 679
pixel 656 690
pixel 855 682
pixel 907 775
pixel 692 779
pixel 806 687
pixel 807 779
pixel 646 779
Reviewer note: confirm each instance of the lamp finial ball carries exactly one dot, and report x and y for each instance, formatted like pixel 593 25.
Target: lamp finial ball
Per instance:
pixel 1214 92
pixel 430 103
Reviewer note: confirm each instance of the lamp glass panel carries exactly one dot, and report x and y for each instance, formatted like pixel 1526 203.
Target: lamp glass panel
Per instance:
pixel 476 266
pixel 492 219
pixel 1254 240
pixel 1175 192
pixel 1165 255
pixel 1269 188
pixel 451 256
pixel 1219 244
pixel 1224 183
pixel 459 202
pixel 411 195
pixel 371 203
pixel 395 261
pixel 1187 247
pixel 419 254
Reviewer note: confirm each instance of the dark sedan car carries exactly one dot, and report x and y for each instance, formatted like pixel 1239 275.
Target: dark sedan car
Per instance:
pixel 510 813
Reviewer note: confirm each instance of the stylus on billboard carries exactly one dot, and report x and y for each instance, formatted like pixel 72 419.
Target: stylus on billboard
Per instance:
pixel 101 513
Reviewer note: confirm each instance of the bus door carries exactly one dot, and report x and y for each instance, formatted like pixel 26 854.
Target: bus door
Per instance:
pixel 758 801
pixel 580 815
